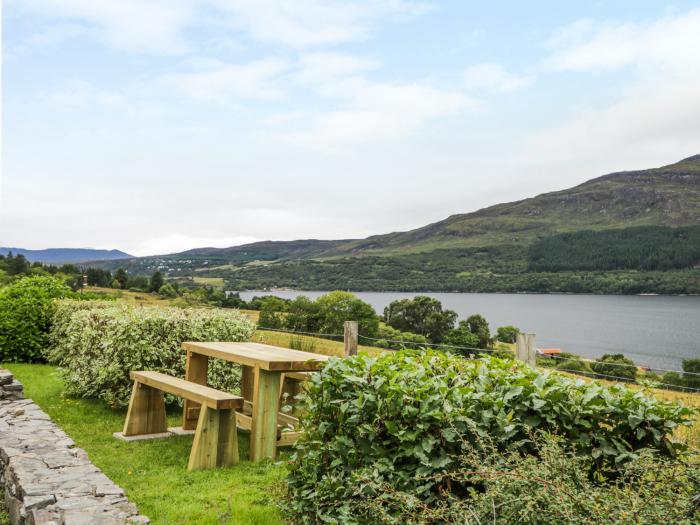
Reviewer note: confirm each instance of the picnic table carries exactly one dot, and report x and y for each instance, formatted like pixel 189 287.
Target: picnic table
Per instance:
pixel 264 367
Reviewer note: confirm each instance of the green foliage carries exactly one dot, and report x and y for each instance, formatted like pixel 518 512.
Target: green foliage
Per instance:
pixel 573 365
pixel 405 419
pixel 639 248
pixel 464 338
pixel 98 345
pixel 156 281
pixel 507 334
pixel 25 316
pixel 421 315
pixel 551 488
pixel 270 317
pixel 691 372
pixel 477 325
pixel 396 339
pixel 302 315
pixel 167 290
pixel 335 308
pixel 616 366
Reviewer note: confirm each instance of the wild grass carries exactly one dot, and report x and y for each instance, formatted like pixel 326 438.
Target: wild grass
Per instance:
pixel 154 473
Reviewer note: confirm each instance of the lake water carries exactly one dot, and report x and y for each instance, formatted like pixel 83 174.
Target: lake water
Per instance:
pixel 657 331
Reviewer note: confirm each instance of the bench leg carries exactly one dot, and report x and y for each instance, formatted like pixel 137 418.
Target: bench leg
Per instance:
pixel 215 441
pixel 263 432
pixel 146 414
pixel 195 371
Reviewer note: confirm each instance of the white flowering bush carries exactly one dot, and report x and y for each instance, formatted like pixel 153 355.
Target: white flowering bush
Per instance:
pixel 98 344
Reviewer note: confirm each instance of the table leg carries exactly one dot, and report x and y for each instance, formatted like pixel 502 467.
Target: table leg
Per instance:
pixel 195 371
pixel 247 380
pixel 263 432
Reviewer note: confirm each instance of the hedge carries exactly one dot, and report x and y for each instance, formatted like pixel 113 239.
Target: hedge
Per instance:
pixel 25 316
pixel 98 344
pixel 406 419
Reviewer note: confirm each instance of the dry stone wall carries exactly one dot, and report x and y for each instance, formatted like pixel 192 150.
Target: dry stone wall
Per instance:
pixel 45 478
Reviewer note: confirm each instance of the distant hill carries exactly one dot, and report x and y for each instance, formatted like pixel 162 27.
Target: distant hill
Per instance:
pixel 67 255
pixel 499 248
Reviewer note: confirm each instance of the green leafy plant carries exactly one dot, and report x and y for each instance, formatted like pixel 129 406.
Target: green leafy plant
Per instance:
pixel 25 316
pixel 615 365
pixel 405 419
pixel 97 345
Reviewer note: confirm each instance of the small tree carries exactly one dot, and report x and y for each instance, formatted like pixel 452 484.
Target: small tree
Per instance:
pixel 507 334
pixel 615 366
pixel 302 315
pixel 168 290
pixel 477 325
pixel 121 277
pixel 464 339
pixel 421 315
pixel 337 307
pixel 156 281
pixel 691 367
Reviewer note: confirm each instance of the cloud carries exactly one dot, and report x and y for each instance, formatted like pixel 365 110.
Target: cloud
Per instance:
pixel 491 76
pixel 379 112
pixel 308 23
pixel 143 26
pixel 656 117
pixel 668 43
pixel 223 82
pixel 318 68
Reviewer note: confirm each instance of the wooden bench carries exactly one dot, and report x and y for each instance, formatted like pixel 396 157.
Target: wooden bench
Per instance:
pixel 215 439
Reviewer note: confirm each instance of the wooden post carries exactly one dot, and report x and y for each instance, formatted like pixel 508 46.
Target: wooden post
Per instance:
pixel 215 442
pixel 146 414
pixel 350 336
pixel 195 371
pixel 263 432
pixel 525 349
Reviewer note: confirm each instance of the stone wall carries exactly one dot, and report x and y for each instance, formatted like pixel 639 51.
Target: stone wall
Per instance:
pixel 46 479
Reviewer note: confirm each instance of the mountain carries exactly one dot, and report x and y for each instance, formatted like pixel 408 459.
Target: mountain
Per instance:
pixel 652 218
pixel 67 255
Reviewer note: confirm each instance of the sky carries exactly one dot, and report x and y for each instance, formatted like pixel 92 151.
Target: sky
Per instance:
pixel 157 126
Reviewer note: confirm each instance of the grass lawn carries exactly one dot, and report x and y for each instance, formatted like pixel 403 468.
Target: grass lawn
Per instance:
pixel 154 473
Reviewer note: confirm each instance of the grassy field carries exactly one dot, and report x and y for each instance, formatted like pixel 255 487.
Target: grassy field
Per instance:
pixel 154 473
pixel 140 298
pixel 217 282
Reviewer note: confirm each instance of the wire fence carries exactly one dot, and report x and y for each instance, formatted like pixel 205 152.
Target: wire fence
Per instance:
pixel 372 341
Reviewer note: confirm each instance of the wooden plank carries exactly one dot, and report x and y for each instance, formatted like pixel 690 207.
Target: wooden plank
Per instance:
pixel 298 376
pixel 215 442
pixel 263 432
pixel 247 382
pixel 146 413
pixel 282 418
pixel 266 357
pixel 202 394
pixel 288 438
pixel 244 421
pixel 196 367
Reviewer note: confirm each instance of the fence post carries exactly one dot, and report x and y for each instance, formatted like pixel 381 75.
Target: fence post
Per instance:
pixel 350 334
pixel 525 349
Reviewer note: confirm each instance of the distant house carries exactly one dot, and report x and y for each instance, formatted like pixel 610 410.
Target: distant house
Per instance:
pixel 549 352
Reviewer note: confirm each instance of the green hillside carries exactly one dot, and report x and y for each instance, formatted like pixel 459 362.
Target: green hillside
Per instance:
pixel 528 245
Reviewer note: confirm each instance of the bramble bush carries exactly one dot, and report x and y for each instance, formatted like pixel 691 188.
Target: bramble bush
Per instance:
pixel 549 488
pixel 405 419
pixel 98 344
pixel 25 316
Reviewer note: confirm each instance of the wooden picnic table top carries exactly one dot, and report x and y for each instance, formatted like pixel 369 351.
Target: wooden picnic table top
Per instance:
pixel 267 357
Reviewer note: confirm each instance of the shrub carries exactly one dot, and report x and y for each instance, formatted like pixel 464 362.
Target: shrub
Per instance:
pixel 98 347
pixel 549 488
pixel 335 308
pixel 405 419
pixel 573 365
pixel 507 334
pixel 25 316
pixel 168 290
pixel 270 318
pixel 615 366
pixel 462 337
pixel 396 339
